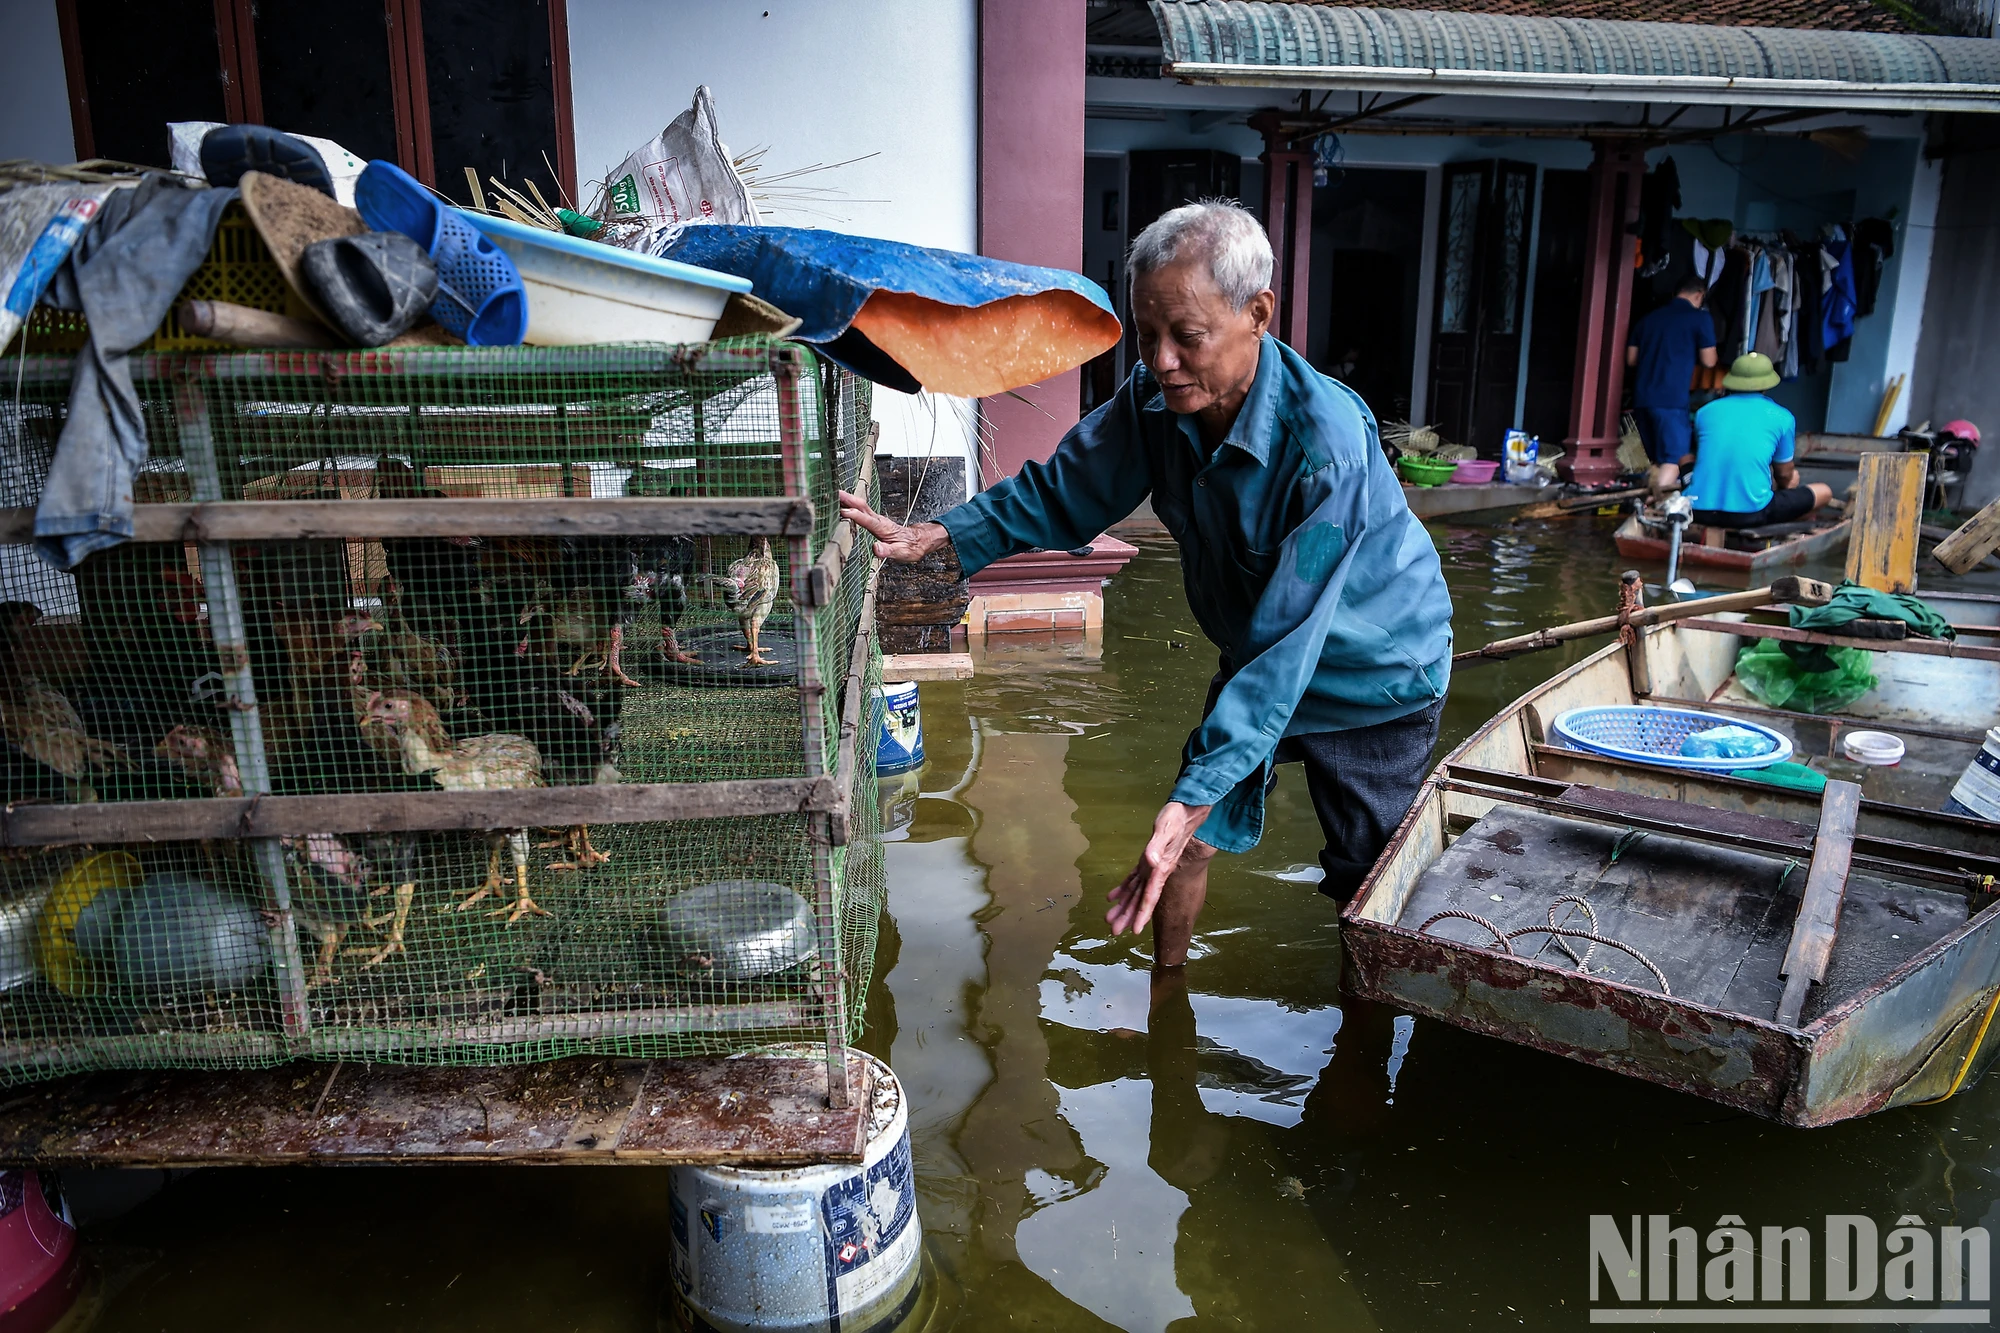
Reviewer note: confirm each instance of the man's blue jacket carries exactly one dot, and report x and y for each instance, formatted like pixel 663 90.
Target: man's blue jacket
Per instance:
pixel 1302 560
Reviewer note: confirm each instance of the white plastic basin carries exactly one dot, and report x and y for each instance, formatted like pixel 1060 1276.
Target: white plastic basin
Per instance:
pixel 584 292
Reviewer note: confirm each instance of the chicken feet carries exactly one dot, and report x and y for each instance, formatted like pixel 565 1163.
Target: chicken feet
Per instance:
pixel 613 649
pixel 749 645
pixel 397 920
pixel 577 843
pixel 671 647
pixel 330 936
pixel 517 842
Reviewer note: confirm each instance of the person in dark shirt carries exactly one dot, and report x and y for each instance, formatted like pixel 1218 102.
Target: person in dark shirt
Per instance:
pixel 1664 349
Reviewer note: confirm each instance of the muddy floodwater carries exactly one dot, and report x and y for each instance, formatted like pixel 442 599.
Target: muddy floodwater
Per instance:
pixel 1241 1151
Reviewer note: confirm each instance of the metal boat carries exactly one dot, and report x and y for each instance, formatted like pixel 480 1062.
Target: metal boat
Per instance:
pixel 1805 957
pixel 1757 552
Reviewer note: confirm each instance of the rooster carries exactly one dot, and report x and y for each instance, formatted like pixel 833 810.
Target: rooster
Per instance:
pixel 39 721
pixel 205 755
pixel 329 885
pixel 661 568
pixel 497 761
pixel 330 892
pixel 749 590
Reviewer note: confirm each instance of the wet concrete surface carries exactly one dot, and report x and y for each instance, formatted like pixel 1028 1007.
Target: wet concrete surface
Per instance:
pixel 1239 1151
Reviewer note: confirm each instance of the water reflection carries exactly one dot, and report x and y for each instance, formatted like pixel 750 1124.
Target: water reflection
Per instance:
pixel 1244 1152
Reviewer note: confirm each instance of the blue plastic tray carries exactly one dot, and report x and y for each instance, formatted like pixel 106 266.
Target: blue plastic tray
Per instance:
pixel 1654 736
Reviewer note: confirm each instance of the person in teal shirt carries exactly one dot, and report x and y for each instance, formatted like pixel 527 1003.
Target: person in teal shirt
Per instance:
pixel 1302 561
pixel 1744 476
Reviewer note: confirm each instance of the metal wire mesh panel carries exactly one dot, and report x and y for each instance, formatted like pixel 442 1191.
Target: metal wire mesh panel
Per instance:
pixel 393 766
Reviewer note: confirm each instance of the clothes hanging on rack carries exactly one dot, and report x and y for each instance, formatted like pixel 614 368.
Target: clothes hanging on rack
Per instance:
pixel 1726 301
pixel 1760 283
pixel 1659 196
pixel 1841 302
pixel 1795 301
pixel 1811 333
pixel 1680 263
pixel 1787 294
pixel 1874 242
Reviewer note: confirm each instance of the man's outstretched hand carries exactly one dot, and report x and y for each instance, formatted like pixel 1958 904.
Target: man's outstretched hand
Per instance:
pixel 1133 901
pixel 893 541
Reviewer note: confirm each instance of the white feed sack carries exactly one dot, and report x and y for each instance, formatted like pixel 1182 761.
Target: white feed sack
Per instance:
pixel 682 178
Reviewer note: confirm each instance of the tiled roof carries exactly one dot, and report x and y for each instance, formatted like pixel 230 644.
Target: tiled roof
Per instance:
pixel 1533 52
pixel 1129 22
pixel 1822 15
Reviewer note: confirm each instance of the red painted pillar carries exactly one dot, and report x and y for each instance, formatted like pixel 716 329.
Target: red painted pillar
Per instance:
pixel 1288 198
pixel 1590 452
pixel 1030 190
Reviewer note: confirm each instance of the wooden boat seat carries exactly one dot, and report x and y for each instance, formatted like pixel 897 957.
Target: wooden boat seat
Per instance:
pixel 1716 920
pixel 1767 532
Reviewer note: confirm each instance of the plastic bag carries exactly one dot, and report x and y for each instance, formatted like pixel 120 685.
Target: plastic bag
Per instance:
pixel 1798 777
pixel 680 178
pixel 1774 678
pixel 1726 742
pixel 1519 465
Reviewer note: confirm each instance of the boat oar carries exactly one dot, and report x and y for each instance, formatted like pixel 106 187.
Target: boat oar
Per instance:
pixel 1790 590
pixel 1578 504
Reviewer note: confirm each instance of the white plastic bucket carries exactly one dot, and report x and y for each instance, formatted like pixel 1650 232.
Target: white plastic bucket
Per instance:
pixel 1978 789
pixel 899 744
pixel 813 1248
pixel 584 292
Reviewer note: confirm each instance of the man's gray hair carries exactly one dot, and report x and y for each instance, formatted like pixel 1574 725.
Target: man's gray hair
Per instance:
pixel 1239 254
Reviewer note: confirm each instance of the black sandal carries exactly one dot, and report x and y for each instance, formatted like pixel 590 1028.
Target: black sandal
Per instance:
pixel 230 150
pixel 372 286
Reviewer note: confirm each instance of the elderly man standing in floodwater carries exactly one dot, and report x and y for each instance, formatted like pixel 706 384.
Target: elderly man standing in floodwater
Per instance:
pixel 1302 560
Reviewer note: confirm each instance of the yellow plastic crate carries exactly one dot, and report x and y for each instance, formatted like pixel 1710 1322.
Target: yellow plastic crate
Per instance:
pixel 239 269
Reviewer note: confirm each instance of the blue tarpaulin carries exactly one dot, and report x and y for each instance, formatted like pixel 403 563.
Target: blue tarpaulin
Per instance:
pixel 825 277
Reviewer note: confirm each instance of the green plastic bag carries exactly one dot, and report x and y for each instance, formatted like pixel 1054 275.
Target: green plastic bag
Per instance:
pixel 1795 776
pixel 1772 677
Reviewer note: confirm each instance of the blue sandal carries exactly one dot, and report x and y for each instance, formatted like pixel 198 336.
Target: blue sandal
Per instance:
pixel 479 295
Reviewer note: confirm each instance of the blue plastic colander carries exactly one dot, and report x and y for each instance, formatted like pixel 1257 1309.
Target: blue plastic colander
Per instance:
pixel 480 296
pixel 1654 736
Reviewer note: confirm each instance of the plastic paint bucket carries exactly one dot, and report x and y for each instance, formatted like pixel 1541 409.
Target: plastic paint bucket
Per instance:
pixel 1878 749
pixel 40 1274
pixel 811 1248
pixel 899 744
pixel 1520 457
pixel 1978 790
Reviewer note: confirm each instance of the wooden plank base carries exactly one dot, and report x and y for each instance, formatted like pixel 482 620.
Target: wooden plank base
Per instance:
pixel 927 666
pixel 756 1110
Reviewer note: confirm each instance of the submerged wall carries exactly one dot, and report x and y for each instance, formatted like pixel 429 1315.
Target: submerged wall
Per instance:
pixel 1960 346
pixel 34 92
pixel 1761 183
pixel 893 82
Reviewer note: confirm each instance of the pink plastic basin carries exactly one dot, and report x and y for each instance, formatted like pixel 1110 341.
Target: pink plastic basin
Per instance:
pixel 1474 472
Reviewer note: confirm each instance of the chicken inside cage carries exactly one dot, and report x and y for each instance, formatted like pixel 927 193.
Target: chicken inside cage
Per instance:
pixel 438 690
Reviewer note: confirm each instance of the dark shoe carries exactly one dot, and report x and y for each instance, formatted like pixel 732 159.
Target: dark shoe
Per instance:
pixel 228 152
pixel 372 286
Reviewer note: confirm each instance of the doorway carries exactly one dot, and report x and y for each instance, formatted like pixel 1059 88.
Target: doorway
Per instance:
pixel 1367 248
pixel 1559 270
pixel 1481 296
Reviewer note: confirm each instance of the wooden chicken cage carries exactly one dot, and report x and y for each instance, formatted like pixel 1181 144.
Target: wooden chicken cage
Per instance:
pixel 384 614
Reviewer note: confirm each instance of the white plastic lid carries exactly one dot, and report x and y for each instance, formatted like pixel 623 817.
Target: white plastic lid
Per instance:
pixel 1872 747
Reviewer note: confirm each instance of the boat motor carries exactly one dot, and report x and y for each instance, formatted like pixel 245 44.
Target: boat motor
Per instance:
pixel 1951 448
pixel 1679 512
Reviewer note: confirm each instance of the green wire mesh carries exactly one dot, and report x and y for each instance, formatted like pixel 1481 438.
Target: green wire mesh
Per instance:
pixel 412 664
